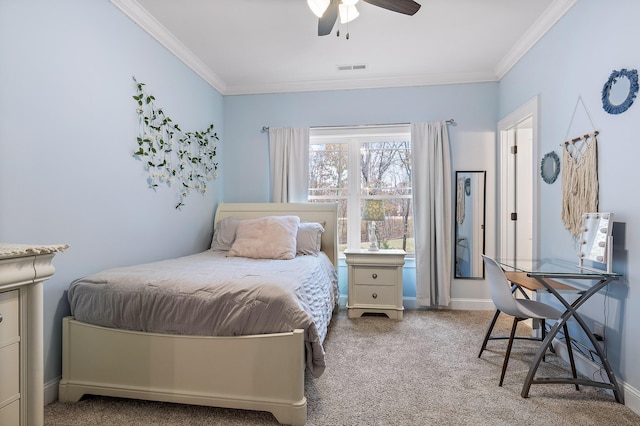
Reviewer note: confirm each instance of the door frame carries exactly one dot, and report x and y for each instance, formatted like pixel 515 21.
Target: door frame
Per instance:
pixel 530 109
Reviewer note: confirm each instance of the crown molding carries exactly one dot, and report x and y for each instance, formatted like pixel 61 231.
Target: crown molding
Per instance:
pixel 548 19
pixel 364 83
pixel 147 22
pixel 140 16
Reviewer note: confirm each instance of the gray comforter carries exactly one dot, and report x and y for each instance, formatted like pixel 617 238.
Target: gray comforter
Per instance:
pixel 213 295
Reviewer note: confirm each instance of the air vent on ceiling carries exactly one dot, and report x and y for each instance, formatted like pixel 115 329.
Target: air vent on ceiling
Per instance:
pixel 351 67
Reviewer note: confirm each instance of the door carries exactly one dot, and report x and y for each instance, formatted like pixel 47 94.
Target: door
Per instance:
pixel 517 183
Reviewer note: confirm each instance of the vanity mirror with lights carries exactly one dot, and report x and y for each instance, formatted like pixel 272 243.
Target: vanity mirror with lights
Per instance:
pixel 469 224
pixel 596 242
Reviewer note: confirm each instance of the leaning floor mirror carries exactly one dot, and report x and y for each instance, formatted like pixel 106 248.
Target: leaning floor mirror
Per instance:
pixel 469 224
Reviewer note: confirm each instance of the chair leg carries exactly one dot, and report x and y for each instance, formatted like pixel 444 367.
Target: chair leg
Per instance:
pixel 570 352
pixel 543 331
pixel 487 336
pixel 508 353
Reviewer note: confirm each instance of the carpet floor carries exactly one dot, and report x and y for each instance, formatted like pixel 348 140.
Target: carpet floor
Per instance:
pixel 423 370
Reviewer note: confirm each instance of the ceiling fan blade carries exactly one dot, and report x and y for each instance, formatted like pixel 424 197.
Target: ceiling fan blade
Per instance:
pixel 408 7
pixel 328 19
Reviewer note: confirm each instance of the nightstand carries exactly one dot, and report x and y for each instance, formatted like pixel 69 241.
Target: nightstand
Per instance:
pixel 375 282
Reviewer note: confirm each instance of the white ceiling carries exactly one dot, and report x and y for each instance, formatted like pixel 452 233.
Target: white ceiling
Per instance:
pixel 268 46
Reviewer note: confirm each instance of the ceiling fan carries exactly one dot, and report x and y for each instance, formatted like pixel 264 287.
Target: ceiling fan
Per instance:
pixel 328 10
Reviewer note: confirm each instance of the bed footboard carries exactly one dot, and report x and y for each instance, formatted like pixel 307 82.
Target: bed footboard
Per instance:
pixel 260 372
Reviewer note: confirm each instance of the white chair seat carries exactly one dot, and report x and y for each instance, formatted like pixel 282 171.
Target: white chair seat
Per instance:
pixel 537 310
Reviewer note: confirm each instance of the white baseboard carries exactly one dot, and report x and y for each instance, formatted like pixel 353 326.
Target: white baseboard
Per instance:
pixel 51 390
pixel 592 370
pixel 456 304
pixel 472 305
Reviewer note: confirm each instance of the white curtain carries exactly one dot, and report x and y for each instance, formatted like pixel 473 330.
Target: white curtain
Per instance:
pixel 289 164
pixel 432 199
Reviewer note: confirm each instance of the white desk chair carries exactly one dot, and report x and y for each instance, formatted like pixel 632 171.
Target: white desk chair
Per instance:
pixel 520 309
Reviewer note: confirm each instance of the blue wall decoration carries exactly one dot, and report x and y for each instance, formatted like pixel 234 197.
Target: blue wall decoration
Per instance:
pixel 632 75
pixel 550 167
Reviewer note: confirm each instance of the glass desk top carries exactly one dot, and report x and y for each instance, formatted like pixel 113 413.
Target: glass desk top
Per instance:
pixel 552 267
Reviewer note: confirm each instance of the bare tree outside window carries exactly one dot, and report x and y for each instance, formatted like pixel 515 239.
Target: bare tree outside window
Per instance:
pixel 351 169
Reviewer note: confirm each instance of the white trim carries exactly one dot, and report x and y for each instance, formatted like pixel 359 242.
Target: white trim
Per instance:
pixel 365 83
pixel 591 369
pixel 548 19
pixel 462 304
pixel 530 109
pixel 146 21
pixel 458 304
pixel 140 16
pixel 51 390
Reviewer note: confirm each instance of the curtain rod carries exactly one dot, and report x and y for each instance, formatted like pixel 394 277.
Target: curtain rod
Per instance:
pixel 449 121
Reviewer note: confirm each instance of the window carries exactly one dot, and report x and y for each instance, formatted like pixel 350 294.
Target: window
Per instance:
pixel 351 165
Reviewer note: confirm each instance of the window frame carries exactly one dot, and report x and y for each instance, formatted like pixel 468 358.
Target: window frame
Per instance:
pixel 354 137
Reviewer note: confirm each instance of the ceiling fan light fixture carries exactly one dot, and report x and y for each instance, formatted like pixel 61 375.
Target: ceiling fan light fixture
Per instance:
pixel 318 7
pixel 348 13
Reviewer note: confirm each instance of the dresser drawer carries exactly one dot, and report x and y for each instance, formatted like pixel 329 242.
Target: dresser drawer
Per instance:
pixel 375 295
pixel 375 275
pixel 10 415
pixel 10 372
pixel 9 317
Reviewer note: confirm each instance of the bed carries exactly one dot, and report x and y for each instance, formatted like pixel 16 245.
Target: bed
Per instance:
pixel 262 371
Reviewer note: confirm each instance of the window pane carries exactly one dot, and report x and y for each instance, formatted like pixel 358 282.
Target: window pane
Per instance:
pixel 342 219
pixel 385 168
pixel 328 170
pixel 396 230
pixel 349 166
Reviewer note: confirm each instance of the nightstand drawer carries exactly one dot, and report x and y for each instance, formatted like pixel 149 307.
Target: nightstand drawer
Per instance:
pixel 8 317
pixel 375 295
pixel 375 276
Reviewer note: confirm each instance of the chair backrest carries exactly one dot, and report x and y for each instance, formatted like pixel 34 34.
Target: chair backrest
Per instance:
pixel 500 288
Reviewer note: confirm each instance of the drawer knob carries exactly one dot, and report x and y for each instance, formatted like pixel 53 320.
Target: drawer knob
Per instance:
pixel 1 318
pixel 374 295
pixel 374 276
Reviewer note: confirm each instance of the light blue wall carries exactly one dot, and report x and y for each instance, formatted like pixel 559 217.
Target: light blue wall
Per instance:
pixel 67 131
pixel 574 60
pixel 68 126
pixel 473 106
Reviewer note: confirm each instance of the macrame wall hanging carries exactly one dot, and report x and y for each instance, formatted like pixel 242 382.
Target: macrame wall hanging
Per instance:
pixel 185 161
pixel 579 178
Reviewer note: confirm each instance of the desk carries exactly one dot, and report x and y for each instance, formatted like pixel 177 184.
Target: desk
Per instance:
pixel 543 271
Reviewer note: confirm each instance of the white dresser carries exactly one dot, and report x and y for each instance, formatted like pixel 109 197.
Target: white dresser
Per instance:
pixel 375 282
pixel 23 268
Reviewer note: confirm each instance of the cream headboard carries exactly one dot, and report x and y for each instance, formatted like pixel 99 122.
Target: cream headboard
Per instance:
pixel 307 212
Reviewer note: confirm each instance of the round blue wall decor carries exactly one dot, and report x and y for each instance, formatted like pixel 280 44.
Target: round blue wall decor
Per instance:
pixel 618 100
pixel 550 167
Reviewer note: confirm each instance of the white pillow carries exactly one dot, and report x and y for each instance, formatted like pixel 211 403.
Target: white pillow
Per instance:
pixel 224 234
pixel 270 237
pixel 308 240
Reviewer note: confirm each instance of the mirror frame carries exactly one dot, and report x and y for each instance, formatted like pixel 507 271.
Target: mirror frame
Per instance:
pixel 482 174
pixel 595 239
pixel 550 159
pixel 632 75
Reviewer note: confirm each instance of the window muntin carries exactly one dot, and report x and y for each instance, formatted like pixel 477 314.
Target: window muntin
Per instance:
pixel 348 166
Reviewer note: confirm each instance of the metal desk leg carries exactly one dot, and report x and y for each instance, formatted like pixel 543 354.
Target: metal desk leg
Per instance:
pixel 571 311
